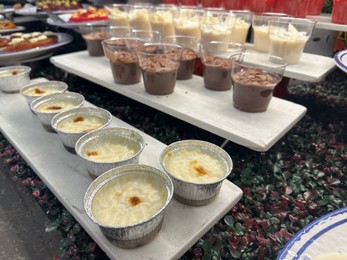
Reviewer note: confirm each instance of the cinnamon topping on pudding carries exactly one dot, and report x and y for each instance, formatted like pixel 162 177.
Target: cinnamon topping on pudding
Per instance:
pixel 92 153
pixel 78 119
pixel 39 91
pixel 134 200
pixel 54 108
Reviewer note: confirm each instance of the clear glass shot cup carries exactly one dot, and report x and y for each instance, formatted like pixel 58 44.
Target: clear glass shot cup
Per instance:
pixel 216 25
pixel 159 63
pixel 118 14
pixel 190 49
pixel 187 21
pixel 93 35
pixel 288 37
pixel 217 65
pixel 241 27
pixel 122 54
pixel 254 78
pixel 260 25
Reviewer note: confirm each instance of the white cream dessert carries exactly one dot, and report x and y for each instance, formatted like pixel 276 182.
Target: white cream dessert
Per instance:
pixel 41 91
pixel 212 29
pixel 240 31
pixel 195 165
pixel 9 73
pixel 162 22
pixel 81 123
pixel 187 25
pixel 55 106
pixel 111 148
pixel 287 44
pixel 118 17
pixel 261 38
pixel 128 200
pixel 139 19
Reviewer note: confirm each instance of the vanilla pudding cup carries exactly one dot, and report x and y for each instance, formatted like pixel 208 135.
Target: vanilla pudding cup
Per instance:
pixel 216 26
pixel 187 22
pixel 260 25
pixel 288 37
pixel 162 21
pixel 241 27
pixel 139 17
pixel 118 14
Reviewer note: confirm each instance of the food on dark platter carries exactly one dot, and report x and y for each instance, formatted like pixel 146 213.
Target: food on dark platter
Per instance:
pixel 7 24
pixel 57 5
pixel 26 41
pixel 90 14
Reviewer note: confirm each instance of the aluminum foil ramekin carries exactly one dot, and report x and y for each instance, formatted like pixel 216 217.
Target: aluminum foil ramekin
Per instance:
pixel 191 193
pixel 69 139
pixel 45 117
pixel 13 83
pixel 97 168
pixel 138 234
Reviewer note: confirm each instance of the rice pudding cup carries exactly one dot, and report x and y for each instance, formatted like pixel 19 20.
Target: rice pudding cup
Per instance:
pixel 43 89
pixel 96 168
pixel 12 78
pixel 193 193
pixel 69 139
pixel 77 100
pixel 138 234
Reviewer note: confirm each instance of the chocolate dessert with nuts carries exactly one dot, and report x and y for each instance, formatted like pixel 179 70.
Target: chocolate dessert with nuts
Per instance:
pixel 252 89
pixel 187 64
pixel 124 63
pixel 217 73
pixel 159 74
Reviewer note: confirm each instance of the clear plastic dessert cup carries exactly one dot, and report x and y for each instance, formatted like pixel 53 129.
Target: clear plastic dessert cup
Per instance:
pixel 162 21
pixel 118 14
pixel 254 78
pixel 288 37
pixel 122 54
pixel 242 24
pixel 216 25
pixel 146 35
pixel 260 25
pixel 159 63
pixel 217 65
pixel 190 48
pixel 93 35
pixel 187 21
pixel 139 17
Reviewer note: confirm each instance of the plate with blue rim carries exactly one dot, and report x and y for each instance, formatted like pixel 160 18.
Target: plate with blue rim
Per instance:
pixel 340 59
pixel 324 236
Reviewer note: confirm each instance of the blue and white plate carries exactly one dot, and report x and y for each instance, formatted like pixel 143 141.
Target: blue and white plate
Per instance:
pixel 326 235
pixel 340 59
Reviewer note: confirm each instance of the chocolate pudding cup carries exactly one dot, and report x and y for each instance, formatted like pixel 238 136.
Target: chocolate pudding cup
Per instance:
pixel 94 46
pixel 159 63
pixel 126 73
pixel 254 79
pixel 121 53
pixel 217 73
pixel 187 64
pixel 159 83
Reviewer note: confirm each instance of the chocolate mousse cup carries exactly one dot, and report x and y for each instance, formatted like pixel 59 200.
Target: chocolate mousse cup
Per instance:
pixel 159 65
pixel 217 73
pixel 254 80
pixel 93 35
pixel 123 59
pixel 187 65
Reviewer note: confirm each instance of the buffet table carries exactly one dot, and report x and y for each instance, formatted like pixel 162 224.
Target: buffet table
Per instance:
pixel 66 176
pixel 191 102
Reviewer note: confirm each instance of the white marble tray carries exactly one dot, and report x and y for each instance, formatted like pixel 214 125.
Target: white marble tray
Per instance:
pixel 191 102
pixel 67 178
